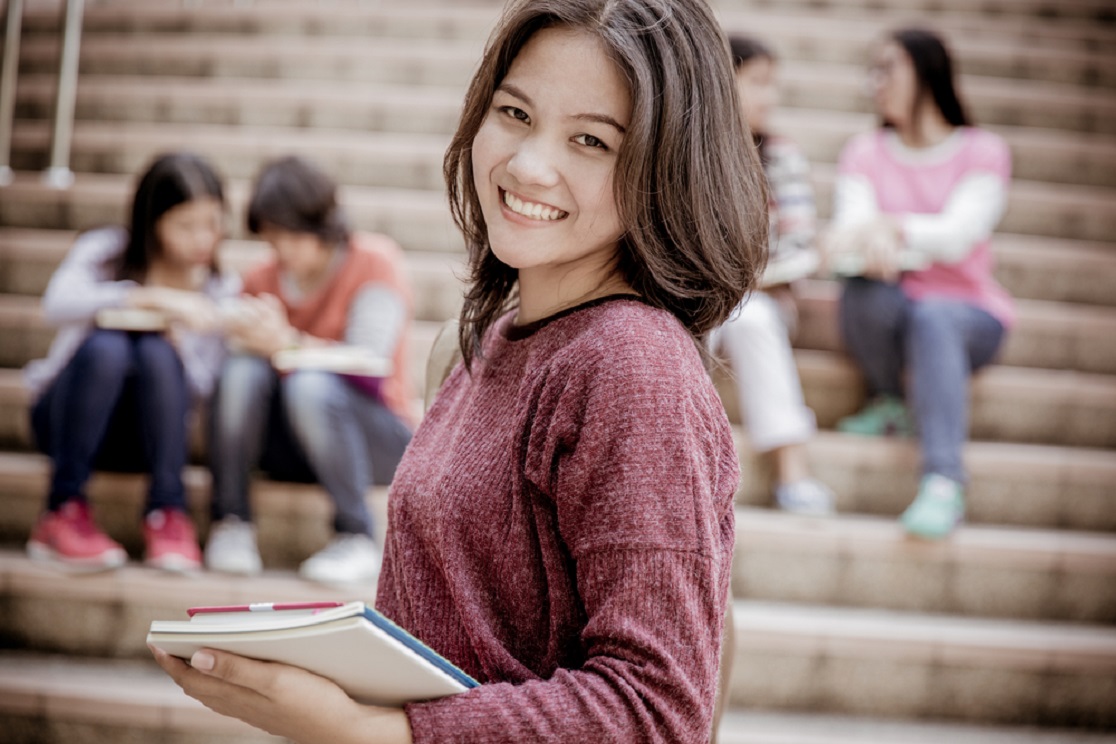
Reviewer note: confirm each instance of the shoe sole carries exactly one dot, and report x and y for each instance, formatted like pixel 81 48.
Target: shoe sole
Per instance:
pixel 174 563
pixel 235 570
pixel 43 553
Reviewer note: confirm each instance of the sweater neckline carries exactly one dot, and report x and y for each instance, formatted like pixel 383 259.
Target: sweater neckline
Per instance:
pixel 936 153
pixel 513 332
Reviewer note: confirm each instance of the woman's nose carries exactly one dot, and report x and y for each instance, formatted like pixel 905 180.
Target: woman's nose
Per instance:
pixel 534 162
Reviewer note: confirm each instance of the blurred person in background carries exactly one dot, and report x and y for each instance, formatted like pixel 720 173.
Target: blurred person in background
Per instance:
pixel 915 204
pixel 325 286
pixel 757 336
pixel 138 342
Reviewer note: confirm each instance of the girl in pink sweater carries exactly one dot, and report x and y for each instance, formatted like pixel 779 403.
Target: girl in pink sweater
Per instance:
pixel 915 205
pixel 561 526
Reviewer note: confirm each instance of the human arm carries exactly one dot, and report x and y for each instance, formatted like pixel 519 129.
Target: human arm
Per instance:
pixel 283 700
pixel 796 212
pixel 82 284
pixel 793 253
pixel 970 215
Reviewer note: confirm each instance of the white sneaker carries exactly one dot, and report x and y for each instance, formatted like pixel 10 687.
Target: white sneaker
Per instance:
pixel 350 558
pixel 807 496
pixel 231 547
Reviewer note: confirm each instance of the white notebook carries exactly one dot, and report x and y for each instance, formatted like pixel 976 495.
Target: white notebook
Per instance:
pixel 350 360
pixel 370 657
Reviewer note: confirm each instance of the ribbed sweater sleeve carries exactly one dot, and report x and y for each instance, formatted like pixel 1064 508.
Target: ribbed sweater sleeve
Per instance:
pixel 592 606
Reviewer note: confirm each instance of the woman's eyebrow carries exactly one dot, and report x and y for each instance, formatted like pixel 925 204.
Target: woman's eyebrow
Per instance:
pixel 515 92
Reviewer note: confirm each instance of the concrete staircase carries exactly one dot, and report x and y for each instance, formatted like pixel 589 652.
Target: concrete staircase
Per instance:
pixel 846 631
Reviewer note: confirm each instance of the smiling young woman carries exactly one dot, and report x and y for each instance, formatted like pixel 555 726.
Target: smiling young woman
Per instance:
pixel 561 526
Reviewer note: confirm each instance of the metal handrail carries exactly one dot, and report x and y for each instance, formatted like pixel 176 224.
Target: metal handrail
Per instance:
pixel 7 87
pixel 58 174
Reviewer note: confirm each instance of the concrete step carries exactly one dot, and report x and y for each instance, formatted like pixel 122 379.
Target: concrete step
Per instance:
pixel 764 727
pixel 29 257
pixel 787 657
pixel 983 571
pixel 1009 404
pixel 47 699
pixel 1033 208
pixel 1097 11
pixel 1030 267
pixel 27 337
pixel 14 397
pixel 250 102
pixel 475 20
pixel 407 159
pixel 884 663
pixel 831 38
pixel 990 101
pixel 387 160
pixel 1044 155
pixel 293 518
pixel 988 50
pixel 420 62
pixel 1051 335
pixel 853 560
pixel 1038 486
pixel 419 219
pixel 1048 335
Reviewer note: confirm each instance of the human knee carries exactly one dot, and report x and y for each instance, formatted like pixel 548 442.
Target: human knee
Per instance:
pixel 246 381
pixel 933 318
pixel 756 321
pixel 156 355
pixel 104 356
pixel 867 301
pixel 308 394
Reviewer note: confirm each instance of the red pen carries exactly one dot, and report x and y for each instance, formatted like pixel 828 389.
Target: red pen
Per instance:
pixel 264 607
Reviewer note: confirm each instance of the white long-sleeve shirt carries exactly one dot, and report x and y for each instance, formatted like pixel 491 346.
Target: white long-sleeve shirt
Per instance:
pixel 83 285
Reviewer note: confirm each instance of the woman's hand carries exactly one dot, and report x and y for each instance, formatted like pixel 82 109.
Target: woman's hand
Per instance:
pixel 882 248
pixel 872 249
pixel 283 700
pixel 260 326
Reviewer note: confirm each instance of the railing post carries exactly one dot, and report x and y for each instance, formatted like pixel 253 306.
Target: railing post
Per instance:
pixel 59 174
pixel 7 87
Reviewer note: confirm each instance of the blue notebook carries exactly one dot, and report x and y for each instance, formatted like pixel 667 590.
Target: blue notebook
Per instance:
pixel 368 655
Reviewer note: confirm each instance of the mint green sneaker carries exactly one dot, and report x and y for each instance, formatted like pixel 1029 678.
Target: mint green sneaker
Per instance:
pixel 885 415
pixel 937 510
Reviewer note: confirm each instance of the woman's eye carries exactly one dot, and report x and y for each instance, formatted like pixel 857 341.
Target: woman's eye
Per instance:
pixel 515 113
pixel 590 141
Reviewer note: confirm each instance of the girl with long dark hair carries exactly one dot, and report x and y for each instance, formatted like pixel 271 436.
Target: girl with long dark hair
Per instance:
pixel 915 205
pixel 116 394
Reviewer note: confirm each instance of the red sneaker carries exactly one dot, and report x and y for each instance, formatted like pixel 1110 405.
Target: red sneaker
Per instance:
pixel 68 535
pixel 172 544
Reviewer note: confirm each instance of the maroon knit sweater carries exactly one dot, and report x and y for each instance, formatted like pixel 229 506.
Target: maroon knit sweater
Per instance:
pixel 561 527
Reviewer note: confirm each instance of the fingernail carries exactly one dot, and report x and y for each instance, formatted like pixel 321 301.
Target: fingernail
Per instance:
pixel 203 661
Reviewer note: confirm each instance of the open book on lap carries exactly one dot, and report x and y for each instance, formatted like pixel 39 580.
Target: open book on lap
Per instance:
pixel 349 360
pixel 370 657
pixel 131 319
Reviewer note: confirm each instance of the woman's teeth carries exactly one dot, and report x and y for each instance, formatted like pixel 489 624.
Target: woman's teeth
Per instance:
pixel 532 210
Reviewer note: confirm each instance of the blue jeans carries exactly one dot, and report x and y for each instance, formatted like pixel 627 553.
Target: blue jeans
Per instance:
pixel 938 342
pixel 121 403
pixel 309 426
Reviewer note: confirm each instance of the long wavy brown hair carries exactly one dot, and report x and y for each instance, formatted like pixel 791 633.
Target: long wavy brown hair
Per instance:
pixel 690 192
